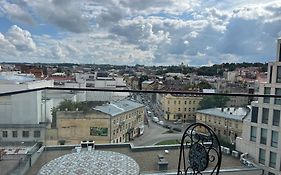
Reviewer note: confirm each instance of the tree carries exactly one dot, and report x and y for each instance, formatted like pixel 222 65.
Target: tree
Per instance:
pixel 214 101
pixel 204 85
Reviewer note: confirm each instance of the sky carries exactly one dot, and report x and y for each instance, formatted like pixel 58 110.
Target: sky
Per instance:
pixel 147 32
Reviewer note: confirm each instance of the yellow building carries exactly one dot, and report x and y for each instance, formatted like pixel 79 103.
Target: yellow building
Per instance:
pixel 116 122
pixel 180 107
pixel 226 122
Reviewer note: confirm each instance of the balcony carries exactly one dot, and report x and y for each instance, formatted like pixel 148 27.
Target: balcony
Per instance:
pixel 44 124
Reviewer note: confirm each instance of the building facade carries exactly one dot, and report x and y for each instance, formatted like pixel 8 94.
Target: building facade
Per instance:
pixel 261 130
pixel 117 122
pixel 180 107
pixel 227 123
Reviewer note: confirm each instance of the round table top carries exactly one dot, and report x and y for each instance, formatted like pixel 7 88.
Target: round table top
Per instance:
pixel 91 162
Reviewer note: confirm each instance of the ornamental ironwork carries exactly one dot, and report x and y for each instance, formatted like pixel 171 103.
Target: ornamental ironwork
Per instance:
pixel 200 150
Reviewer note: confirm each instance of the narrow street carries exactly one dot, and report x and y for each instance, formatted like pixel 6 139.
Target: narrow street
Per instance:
pixel 154 134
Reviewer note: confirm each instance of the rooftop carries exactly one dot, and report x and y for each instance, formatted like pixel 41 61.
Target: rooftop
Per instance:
pixel 118 107
pixel 230 113
pixel 146 157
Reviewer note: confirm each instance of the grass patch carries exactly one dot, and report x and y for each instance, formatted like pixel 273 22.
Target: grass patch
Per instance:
pixel 168 142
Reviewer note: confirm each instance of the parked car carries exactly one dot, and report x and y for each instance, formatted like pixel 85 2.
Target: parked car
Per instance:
pixel 155 119
pixel 178 121
pixel 161 122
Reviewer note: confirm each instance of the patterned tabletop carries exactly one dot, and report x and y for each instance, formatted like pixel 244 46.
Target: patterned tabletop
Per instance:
pixel 91 163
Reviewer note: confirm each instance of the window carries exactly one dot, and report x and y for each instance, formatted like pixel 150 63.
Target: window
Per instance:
pixel 189 102
pixel 280 52
pixel 185 102
pixel 266 92
pixel 179 109
pixel 37 134
pixel 278 76
pixel 270 74
pixel 262 156
pixel 4 133
pixel 15 133
pixel 263 136
pixel 179 102
pixel 254 117
pixel 25 133
pixel 265 112
pixel 272 159
pixel 95 131
pixel 253 136
pixel 175 102
pixel 184 109
pixel 278 92
pixel 168 102
pixel 276 118
pixel 274 139
pixel 168 109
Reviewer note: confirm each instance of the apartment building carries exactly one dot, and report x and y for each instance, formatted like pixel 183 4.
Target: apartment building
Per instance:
pixel 226 122
pixel 180 107
pixel 261 130
pixel 117 122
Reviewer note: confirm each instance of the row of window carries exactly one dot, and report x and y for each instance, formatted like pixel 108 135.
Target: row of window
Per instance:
pixel 225 132
pixel 278 76
pixel 263 136
pixel 36 134
pixel 265 116
pixel 185 109
pixel 185 102
pixel 227 123
pixel 136 113
pixel 267 92
pixel 272 158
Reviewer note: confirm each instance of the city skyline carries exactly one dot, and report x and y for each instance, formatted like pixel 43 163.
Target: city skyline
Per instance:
pixel 139 32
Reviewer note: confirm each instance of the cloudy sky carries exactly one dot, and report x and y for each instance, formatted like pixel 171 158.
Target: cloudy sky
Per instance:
pixel 150 32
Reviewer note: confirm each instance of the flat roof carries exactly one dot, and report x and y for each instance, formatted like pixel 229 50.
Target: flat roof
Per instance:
pixel 231 113
pixel 118 107
pixel 146 157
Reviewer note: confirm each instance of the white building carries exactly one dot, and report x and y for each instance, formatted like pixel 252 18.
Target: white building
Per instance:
pixel 102 82
pixel 24 115
pixel 261 130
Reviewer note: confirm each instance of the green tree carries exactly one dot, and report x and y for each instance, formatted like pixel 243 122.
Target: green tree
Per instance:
pixel 204 85
pixel 213 101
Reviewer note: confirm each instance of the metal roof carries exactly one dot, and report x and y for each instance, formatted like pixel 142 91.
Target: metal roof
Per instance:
pixel 118 107
pixel 230 113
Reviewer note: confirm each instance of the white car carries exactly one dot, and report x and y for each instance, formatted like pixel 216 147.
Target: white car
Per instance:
pixel 155 119
pixel 161 122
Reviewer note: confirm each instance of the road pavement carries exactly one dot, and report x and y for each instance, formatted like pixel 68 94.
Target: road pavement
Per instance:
pixel 154 133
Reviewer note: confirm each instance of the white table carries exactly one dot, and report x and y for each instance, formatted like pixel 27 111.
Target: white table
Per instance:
pixel 91 163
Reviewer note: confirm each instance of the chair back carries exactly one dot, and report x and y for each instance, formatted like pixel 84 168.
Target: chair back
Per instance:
pixel 200 149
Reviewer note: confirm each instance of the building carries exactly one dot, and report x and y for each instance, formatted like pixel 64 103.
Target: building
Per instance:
pixel 117 122
pixel 180 107
pixel 24 116
pixel 226 122
pixel 261 130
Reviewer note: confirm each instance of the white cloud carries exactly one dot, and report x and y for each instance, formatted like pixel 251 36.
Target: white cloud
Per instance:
pixel 65 14
pixel 21 39
pixel 196 32
pixel 15 12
